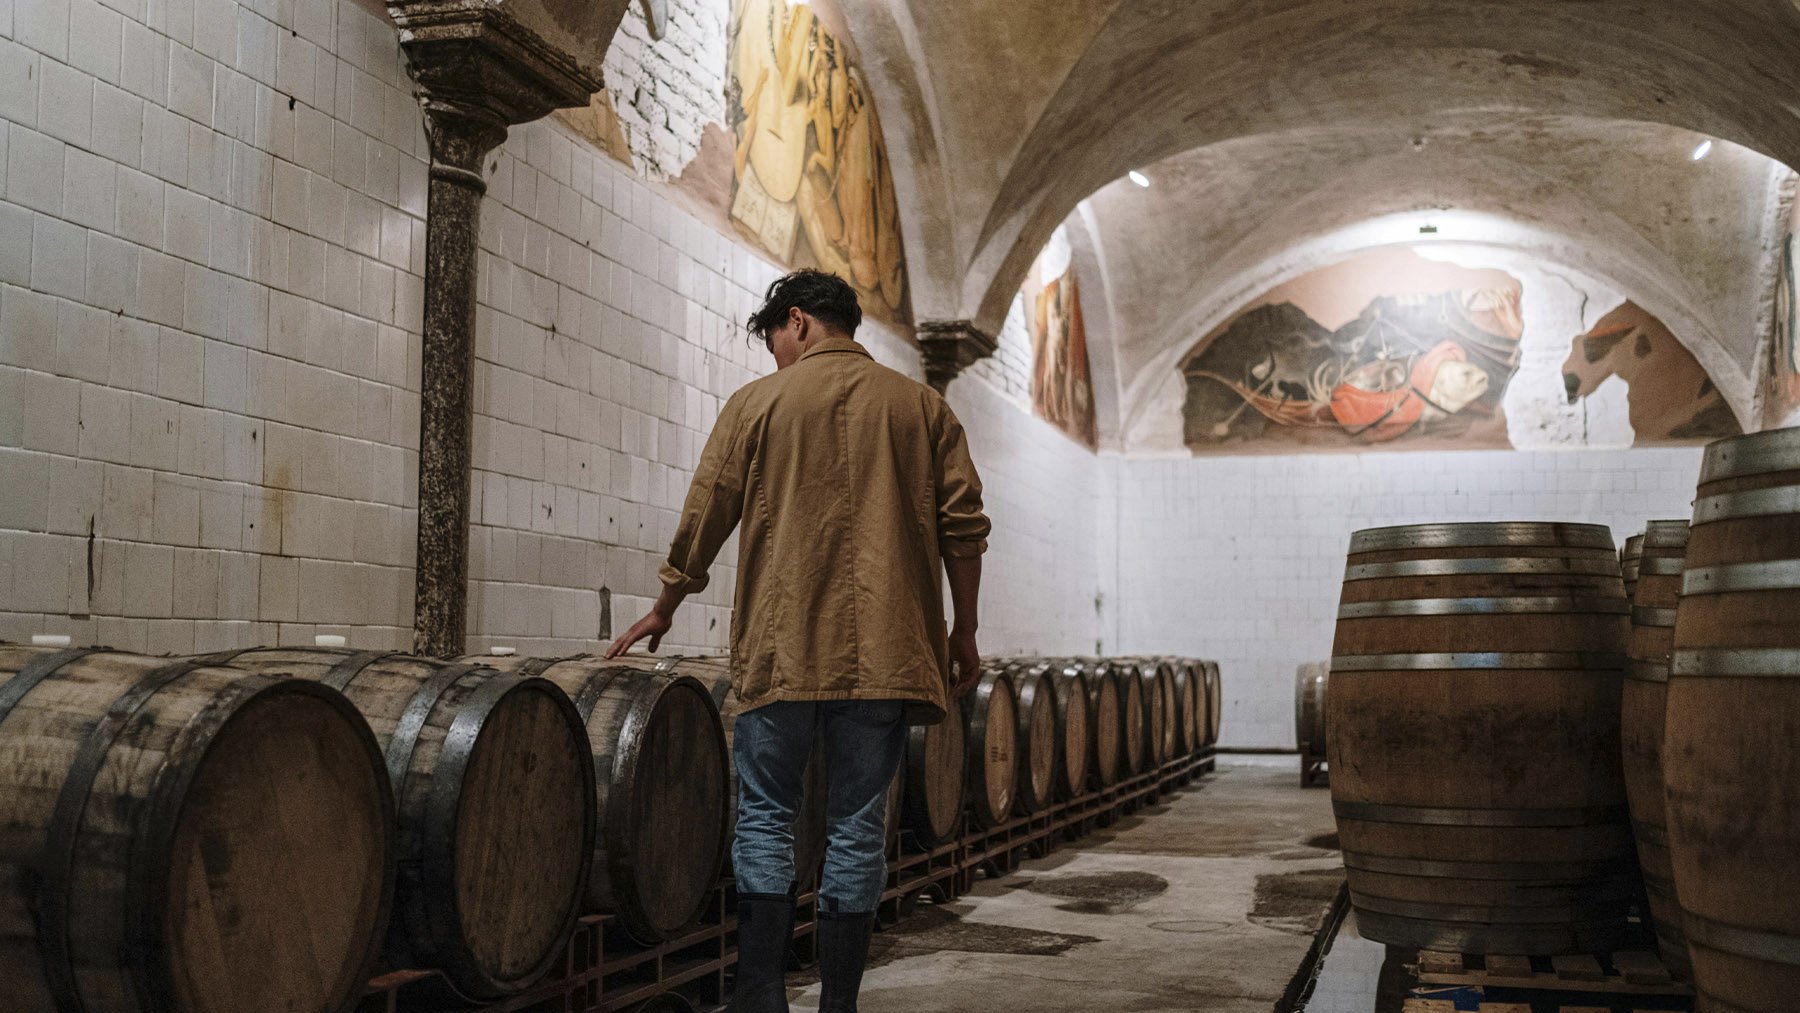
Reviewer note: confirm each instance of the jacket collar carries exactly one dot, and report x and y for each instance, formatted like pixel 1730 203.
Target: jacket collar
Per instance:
pixel 836 345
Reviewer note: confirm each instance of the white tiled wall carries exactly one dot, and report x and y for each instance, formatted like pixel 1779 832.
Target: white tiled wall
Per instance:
pixel 211 247
pixel 1241 559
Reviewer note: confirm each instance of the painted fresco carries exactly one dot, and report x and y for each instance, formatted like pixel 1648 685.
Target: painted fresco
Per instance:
pixel 1784 371
pixel 1671 398
pixel 1062 391
pixel 810 180
pixel 1384 349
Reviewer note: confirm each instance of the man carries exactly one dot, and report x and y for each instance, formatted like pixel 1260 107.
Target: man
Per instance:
pixel 851 481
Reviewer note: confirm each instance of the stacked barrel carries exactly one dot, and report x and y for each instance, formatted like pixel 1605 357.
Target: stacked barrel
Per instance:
pixel 1731 773
pixel 1473 743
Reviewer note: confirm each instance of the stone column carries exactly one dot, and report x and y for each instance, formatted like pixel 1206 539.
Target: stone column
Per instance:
pixel 951 346
pixel 479 69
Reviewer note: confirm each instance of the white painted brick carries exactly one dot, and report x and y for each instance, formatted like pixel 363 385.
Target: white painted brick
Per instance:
pixel 34 170
pixel 15 242
pixel 52 414
pixel 18 83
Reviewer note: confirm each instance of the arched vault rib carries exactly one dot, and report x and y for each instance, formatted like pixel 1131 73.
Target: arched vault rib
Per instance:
pixel 1155 77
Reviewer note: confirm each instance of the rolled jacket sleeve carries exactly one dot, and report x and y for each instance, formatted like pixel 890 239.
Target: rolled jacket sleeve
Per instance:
pixel 715 501
pixel 962 526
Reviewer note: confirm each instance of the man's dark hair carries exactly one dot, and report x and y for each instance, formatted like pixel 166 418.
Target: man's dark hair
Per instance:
pixel 824 295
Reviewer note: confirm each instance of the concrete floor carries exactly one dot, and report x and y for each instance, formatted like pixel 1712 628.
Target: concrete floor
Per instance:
pixel 1206 902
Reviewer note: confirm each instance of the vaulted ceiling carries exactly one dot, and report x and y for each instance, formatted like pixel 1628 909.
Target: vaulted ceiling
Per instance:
pixel 1271 126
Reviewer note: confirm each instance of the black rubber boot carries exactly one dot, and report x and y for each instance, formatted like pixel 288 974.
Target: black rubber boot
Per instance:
pixel 765 934
pixel 843 951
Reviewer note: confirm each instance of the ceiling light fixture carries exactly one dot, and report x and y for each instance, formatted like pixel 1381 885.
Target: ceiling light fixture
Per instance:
pixel 1703 150
pixel 1139 178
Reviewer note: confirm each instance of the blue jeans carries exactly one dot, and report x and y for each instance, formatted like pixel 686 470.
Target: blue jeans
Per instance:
pixel 864 742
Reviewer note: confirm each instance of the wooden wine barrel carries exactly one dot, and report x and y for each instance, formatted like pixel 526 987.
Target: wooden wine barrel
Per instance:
pixel 1628 564
pixel 1074 728
pixel 895 798
pixel 1156 711
pixel 1215 704
pixel 990 711
pixel 1186 696
pixel 1038 736
pixel 180 835
pixel 1107 721
pixel 1731 768
pixel 932 779
pixel 1473 747
pixel 494 783
pixel 1309 707
pixel 714 672
pixel 1641 712
pixel 660 778
pixel 1134 737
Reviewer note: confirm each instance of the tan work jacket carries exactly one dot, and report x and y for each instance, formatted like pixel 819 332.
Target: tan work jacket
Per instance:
pixel 851 480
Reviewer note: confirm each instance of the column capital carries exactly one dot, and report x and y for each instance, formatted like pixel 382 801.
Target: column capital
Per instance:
pixel 951 346
pixel 484 61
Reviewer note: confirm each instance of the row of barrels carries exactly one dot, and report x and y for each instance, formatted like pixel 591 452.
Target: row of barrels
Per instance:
pixel 261 829
pixel 1521 751
pixel 1037 731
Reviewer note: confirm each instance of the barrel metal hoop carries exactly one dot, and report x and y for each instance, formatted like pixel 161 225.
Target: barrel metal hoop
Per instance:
pixel 57 863
pixel 1555 565
pixel 1737 662
pixel 1660 566
pixel 1772 575
pixel 1507 534
pixel 533 668
pixel 1630 570
pixel 1770 502
pixel 1757 944
pixel 412 721
pixel 1654 618
pixel 1670 534
pixel 1646 671
pixel 1763 453
pixel 1651 833
pixel 597 683
pixel 1376 812
pixel 1485 870
pixel 1598 663
pixel 1594 911
pixel 1562 604
pixel 339 675
pixel 36 671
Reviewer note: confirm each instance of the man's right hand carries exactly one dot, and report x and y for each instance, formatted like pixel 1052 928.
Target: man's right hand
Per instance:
pixel 965 663
pixel 653 625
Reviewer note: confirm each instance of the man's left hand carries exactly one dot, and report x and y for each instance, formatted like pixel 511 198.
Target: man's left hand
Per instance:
pixel 965 658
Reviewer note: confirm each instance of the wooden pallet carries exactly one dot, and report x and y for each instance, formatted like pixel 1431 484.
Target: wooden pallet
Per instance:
pixel 1626 972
